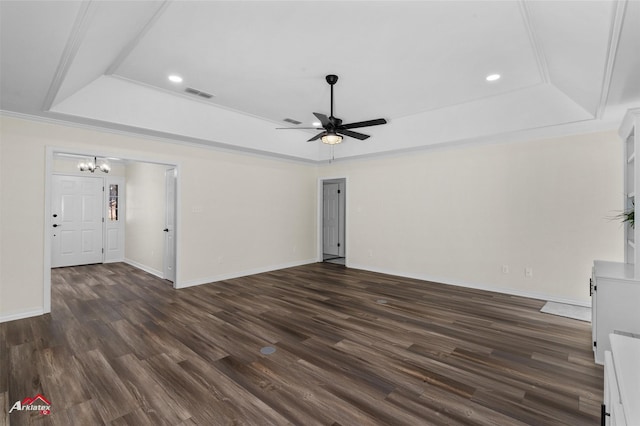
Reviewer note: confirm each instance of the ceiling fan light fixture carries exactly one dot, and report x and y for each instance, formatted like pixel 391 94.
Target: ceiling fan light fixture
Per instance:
pixel 331 138
pixel 174 78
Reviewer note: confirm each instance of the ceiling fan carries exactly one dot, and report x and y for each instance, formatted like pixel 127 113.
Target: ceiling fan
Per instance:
pixel 333 127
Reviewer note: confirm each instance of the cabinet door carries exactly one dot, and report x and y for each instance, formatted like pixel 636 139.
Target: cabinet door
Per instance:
pixel 617 415
pixel 609 383
pixel 612 412
pixel 594 312
pixel 616 310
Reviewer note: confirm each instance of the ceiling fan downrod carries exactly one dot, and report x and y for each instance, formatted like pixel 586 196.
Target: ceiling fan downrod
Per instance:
pixel 332 79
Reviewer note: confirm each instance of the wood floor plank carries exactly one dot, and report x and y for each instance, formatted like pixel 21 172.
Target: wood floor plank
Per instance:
pixel 122 347
pixel 82 414
pixel 52 364
pixel 112 397
pixel 238 404
pixel 155 403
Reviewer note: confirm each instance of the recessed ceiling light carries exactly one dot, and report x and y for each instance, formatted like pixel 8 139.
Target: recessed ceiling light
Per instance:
pixel 175 78
pixel 493 77
pixel 316 123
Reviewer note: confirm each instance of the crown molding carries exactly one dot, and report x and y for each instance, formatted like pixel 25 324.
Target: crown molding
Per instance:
pixel 547 132
pixel 130 131
pixel 78 32
pixel 541 59
pixel 612 49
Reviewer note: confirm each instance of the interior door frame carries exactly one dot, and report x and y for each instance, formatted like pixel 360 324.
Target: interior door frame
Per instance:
pixel 319 234
pixel 47 222
pixel 170 225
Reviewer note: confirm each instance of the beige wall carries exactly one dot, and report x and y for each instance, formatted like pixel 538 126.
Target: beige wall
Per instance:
pixel 240 213
pixel 453 215
pixel 458 215
pixel 145 216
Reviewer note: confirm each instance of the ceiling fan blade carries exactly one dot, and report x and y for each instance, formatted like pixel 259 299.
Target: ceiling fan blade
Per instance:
pixel 316 137
pixel 298 128
pixel 351 134
pixel 367 123
pixel 323 118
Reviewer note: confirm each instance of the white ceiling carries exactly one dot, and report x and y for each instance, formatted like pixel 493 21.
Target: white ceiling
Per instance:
pixel 566 66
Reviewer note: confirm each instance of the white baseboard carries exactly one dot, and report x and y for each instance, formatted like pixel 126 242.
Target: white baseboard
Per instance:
pixel 229 276
pixel 145 268
pixel 21 315
pixel 478 286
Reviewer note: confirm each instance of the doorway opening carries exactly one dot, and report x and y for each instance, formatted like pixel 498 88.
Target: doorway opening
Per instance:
pixel 333 220
pixel 88 215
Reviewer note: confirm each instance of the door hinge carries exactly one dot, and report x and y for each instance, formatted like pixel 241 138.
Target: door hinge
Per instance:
pixel 338 244
pixel 338 191
pixel 103 251
pixel 103 189
pixel 103 220
pixel 595 344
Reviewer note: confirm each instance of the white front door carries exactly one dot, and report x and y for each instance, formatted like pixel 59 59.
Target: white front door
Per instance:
pixel 330 219
pixel 77 220
pixel 170 226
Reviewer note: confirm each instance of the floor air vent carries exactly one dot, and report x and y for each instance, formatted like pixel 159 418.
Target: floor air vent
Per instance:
pixel 267 350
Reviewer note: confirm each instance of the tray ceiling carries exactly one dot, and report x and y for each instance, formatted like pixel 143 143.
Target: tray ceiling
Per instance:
pixel 565 66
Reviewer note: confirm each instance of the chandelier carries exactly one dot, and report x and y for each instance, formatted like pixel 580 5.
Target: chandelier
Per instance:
pixel 92 166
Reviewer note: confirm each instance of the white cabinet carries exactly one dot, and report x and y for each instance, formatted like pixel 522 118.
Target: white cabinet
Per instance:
pixel 621 405
pixel 615 303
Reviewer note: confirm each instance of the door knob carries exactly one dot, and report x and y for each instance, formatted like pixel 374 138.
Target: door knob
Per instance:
pixel 55 225
pixel 166 229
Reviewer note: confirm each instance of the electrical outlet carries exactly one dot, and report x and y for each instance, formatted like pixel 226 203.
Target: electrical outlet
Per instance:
pixel 505 269
pixel 528 272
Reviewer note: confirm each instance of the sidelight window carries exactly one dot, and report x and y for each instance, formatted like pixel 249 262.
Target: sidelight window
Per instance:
pixel 112 207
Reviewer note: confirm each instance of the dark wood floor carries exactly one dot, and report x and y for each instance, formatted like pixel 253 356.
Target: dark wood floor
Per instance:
pixel 123 347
